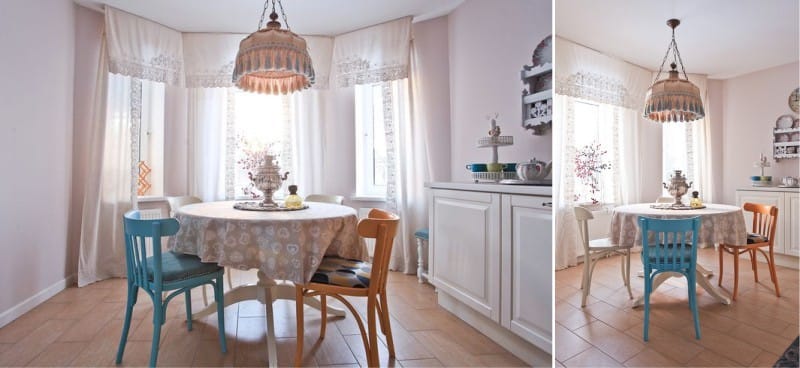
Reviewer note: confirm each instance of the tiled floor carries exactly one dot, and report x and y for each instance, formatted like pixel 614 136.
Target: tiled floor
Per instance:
pixel 753 331
pixel 82 326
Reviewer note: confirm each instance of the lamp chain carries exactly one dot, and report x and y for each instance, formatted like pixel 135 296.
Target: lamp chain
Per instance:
pixel 264 13
pixel 676 56
pixel 285 22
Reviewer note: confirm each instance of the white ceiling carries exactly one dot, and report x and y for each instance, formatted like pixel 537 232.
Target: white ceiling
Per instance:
pixel 307 17
pixel 720 38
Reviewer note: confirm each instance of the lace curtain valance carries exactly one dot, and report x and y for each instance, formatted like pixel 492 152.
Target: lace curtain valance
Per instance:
pixel 588 74
pixel 143 49
pixel 597 88
pixel 375 54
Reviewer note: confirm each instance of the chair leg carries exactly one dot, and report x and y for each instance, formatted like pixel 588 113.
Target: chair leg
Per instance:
pixel 773 273
pixel 587 278
pixel 692 282
pixel 386 327
pixel 628 273
pixel 372 348
pixel 158 320
pixel 219 297
pixel 323 301
pixel 735 273
pixel 230 282
pixel 752 254
pixel 133 292
pixel 298 353
pixel 721 251
pixel 205 297
pixel 188 297
pixel 648 284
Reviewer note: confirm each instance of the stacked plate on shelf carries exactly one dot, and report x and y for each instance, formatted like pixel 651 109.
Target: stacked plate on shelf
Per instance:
pixel 761 181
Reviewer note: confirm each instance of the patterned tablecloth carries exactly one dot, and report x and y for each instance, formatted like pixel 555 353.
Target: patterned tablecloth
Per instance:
pixel 720 223
pixel 286 245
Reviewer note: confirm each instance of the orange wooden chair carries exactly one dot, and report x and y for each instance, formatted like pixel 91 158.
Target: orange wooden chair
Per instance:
pixel 337 277
pixel 765 219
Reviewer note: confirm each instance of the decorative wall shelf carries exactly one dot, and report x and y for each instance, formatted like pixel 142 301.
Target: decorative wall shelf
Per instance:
pixel 537 97
pixel 785 143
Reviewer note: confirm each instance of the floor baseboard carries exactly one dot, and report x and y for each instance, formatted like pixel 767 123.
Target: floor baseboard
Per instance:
pixel 27 305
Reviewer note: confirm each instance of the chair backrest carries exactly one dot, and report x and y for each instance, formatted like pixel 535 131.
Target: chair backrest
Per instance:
pixel 666 245
pixel 583 216
pixel 665 200
pixel 325 198
pixel 179 201
pixel 139 234
pixel 765 219
pixel 382 226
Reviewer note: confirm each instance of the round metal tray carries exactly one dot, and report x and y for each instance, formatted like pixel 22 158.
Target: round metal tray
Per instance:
pixel 256 206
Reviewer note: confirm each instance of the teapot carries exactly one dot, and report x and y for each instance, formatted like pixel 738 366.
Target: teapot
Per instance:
pixel 789 181
pixel 533 170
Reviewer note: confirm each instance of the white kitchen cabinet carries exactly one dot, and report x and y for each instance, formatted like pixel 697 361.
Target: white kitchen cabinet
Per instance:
pixel 527 267
pixel 787 239
pixel 465 248
pixel 490 259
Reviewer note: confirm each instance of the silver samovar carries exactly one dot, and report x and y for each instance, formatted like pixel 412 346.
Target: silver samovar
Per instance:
pixel 677 187
pixel 268 179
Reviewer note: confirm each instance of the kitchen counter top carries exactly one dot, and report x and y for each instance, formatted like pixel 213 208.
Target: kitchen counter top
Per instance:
pixel 772 189
pixel 494 188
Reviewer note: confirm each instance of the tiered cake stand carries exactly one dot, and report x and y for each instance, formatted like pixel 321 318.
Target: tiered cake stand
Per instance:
pixel 494 141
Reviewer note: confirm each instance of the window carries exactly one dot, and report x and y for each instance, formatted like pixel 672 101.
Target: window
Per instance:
pixel 594 129
pixel 675 151
pixel 371 170
pixel 148 102
pixel 260 122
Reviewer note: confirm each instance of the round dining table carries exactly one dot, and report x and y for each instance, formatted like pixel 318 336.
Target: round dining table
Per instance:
pixel 282 245
pixel 720 223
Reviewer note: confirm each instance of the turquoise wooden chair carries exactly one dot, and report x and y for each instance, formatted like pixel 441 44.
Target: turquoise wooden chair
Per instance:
pixel 166 271
pixel 669 249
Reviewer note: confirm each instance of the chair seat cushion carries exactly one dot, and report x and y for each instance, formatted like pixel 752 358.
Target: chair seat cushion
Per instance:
pixel 756 238
pixel 653 256
pixel 343 272
pixel 422 234
pixel 179 267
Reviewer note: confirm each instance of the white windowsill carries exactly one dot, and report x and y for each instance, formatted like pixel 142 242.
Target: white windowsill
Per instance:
pixel 365 198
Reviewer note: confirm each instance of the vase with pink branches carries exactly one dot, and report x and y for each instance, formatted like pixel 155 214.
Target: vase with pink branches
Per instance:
pixel 589 165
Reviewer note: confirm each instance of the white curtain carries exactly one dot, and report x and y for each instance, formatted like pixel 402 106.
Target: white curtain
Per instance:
pixel 381 54
pixel 109 189
pixel 134 49
pixel 208 131
pixel 699 134
pixel 617 88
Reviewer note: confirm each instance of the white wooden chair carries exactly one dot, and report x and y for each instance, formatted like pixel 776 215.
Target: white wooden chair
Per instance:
pixel 593 250
pixel 325 198
pixel 176 202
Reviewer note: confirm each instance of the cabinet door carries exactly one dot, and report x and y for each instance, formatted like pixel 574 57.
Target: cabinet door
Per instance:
pixel 792 224
pixel 768 198
pixel 527 268
pixel 465 248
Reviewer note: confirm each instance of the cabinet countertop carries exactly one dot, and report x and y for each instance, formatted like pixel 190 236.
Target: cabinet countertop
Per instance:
pixel 771 189
pixel 494 188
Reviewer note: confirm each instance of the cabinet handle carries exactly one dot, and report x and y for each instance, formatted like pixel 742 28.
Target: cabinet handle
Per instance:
pixel 547 204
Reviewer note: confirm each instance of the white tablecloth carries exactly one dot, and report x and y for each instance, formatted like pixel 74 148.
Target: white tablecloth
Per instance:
pixel 720 223
pixel 285 245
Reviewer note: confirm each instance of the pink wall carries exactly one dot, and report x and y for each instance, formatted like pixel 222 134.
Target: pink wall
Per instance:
pixel 36 106
pixel 751 104
pixel 489 42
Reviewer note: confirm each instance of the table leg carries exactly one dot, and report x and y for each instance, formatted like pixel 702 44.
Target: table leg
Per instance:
pixel 266 291
pixel 702 280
